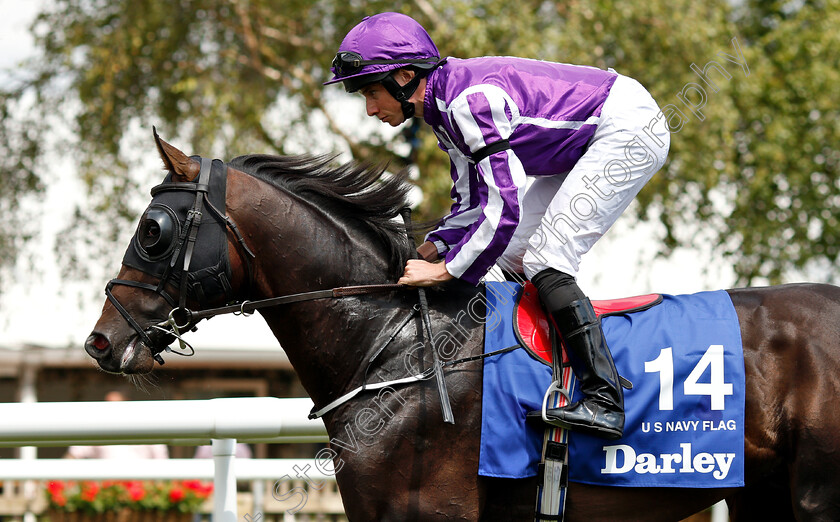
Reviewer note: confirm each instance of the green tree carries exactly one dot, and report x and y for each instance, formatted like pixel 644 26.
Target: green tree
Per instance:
pixel 786 153
pixel 755 166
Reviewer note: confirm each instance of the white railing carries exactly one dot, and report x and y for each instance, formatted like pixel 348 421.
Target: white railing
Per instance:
pixel 222 421
pixel 250 419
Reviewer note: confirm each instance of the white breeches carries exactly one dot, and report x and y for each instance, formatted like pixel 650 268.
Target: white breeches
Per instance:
pixel 564 215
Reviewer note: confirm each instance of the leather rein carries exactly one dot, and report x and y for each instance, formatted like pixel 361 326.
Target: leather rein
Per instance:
pixel 246 308
pixel 159 336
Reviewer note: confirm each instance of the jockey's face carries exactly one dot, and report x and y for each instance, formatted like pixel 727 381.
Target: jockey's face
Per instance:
pixel 380 103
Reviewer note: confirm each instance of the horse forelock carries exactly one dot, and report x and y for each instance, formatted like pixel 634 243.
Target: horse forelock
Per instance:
pixel 359 191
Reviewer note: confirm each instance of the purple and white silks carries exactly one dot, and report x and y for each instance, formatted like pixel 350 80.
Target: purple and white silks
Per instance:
pixel 547 111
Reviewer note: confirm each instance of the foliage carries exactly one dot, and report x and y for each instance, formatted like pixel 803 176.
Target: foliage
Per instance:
pixel 756 169
pixel 183 496
pixel 786 154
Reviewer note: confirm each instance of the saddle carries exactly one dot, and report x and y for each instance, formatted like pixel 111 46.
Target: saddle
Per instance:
pixel 531 326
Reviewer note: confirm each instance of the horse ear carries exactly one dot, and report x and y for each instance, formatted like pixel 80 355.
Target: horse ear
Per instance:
pixel 182 167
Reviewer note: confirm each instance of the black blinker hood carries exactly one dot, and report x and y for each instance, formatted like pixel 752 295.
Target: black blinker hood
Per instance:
pixel 209 270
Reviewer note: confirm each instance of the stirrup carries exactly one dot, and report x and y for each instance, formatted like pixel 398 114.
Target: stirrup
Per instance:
pixel 555 386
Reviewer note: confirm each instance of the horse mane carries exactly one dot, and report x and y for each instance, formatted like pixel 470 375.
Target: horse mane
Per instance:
pixel 352 190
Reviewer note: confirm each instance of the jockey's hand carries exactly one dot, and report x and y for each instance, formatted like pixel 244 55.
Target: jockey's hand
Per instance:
pixel 422 273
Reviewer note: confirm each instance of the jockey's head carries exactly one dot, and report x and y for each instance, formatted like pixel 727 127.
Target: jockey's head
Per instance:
pixel 378 47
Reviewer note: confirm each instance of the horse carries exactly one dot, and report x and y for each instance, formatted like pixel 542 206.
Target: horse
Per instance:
pixel 299 226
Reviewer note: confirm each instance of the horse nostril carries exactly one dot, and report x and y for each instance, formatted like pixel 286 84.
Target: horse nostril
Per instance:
pixel 97 345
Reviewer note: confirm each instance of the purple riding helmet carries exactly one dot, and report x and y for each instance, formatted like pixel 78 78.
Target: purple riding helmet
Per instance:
pixel 380 45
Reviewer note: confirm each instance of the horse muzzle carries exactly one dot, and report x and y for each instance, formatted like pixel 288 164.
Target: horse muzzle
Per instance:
pixel 134 357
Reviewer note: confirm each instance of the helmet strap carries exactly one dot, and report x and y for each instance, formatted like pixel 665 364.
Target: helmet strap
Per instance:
pixel 402 93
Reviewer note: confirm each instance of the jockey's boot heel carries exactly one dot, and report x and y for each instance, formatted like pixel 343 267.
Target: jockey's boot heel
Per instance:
pixel 601 411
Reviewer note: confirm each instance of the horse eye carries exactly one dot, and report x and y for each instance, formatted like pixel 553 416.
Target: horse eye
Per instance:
pixel 156 233
pixel 152 230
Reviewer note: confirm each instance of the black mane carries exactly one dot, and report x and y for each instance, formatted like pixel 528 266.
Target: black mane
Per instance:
pixel 353 190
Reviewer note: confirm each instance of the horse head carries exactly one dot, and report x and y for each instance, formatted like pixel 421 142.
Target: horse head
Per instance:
pixel 313 226
pixel 163 271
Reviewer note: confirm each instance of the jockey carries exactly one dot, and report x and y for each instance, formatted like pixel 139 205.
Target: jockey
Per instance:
pixel 544 159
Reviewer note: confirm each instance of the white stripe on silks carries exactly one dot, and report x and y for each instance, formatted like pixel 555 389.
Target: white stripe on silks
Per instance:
pixel 441 105
pixel 483 235
pixel 462 220
pixel 462 118
pixel 498 100
pixel 494 94
pixel 517 175
pixel 557 124
pixel 443 137
pixel 468 212
pixel 462 181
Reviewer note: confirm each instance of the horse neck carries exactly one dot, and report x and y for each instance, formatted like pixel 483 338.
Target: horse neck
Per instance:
pixel 301 248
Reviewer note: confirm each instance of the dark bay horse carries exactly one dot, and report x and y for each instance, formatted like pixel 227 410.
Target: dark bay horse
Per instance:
pixel 297 225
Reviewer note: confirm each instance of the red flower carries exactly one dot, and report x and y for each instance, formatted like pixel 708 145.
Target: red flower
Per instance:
pixel 186 496
pixel 198 487
pixel 55 488
pixel 89 491
pixel 176 495
pixel 136 491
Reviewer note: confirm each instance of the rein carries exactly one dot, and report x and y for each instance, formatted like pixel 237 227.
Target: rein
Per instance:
pixel 180 317
pixel 248 307
pixel 245 308
pixel 158 337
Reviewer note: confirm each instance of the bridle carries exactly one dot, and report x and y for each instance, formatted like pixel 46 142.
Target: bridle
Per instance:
pixel 166 266
pixel 158 337
pixel 160 258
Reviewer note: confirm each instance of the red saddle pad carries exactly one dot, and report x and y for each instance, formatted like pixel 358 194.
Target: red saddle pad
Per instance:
pixel 531 323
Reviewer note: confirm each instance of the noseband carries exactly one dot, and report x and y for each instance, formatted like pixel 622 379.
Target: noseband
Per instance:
pixel 164 247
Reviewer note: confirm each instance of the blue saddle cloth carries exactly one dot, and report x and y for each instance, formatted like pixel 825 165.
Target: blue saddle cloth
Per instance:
pixel 684 416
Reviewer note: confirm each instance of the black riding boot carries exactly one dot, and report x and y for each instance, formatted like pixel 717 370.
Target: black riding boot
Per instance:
pixel 601 411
